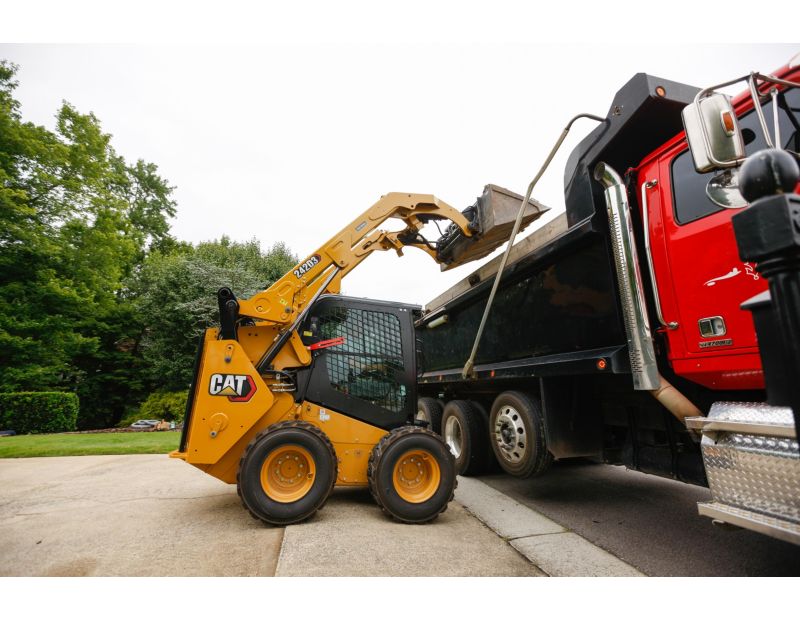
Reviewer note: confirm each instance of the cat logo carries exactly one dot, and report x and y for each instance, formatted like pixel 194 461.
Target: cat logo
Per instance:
pixel 238 387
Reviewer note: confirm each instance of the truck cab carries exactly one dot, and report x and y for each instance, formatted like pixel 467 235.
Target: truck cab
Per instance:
pixel 692 257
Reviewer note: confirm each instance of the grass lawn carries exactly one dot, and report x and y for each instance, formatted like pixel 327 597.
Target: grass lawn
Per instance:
pixel 112 443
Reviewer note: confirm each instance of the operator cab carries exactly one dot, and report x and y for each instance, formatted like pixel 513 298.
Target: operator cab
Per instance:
pixel 364 359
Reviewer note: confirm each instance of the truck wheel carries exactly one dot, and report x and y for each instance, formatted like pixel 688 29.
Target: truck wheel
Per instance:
pixel 287 473
pixel 466 434
pixel 430 410
pixel 491 462
pixel 517 435
pixel 411 475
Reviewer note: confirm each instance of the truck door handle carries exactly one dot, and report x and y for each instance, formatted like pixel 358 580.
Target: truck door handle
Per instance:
pixel 646 225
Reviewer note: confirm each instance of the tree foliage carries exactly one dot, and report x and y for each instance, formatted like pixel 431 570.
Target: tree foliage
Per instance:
pixel 77 219
pixel 96 297
pixel 177 292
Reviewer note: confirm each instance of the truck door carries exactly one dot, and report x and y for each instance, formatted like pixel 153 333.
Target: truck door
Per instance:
pixel 701 280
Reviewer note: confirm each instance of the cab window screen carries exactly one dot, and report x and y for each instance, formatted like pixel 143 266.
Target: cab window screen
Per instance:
pixel 689 187
pixel 369 362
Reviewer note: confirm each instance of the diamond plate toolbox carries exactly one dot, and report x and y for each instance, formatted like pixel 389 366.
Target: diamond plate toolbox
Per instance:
pixel 753 471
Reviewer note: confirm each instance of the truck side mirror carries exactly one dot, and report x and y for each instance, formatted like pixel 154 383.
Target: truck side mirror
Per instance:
pixel 713 133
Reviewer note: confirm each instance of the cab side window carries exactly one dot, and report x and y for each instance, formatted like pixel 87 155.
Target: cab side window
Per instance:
pixel 689 188
pixel 369 362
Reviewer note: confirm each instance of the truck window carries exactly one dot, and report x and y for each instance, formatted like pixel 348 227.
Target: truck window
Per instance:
pixel 368 364
pixel 689 188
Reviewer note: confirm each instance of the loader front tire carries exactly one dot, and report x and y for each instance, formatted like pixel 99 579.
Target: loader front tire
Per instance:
pixel 411 475
pixel 286 473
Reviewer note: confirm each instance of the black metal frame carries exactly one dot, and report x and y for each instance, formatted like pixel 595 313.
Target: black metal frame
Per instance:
pixel 314 384
pixel 615 360
pixel 187 415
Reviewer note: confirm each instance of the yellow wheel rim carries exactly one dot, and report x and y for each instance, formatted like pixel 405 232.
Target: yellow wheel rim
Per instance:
pixel 288 473
pixel 416 476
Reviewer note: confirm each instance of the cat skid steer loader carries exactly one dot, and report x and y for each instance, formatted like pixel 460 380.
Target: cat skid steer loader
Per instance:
pixel 300 389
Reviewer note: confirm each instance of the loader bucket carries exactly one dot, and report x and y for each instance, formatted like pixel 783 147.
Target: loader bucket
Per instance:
pixel 492 219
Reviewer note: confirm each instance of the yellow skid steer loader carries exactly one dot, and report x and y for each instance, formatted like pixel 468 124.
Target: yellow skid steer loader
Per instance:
pixel 301 389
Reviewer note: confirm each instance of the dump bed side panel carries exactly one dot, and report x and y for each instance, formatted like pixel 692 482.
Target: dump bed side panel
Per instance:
pixel 560 303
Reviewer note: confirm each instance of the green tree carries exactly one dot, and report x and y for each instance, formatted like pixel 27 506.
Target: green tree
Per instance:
pixel 77 220
pixel 177 295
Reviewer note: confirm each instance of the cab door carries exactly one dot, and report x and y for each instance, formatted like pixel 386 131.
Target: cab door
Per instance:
pixel 701 280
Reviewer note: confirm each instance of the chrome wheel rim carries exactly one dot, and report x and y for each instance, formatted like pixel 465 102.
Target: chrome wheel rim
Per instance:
pixel 454 436
pixel 510 435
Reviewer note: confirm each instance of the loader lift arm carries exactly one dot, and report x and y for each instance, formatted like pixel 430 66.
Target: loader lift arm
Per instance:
pixel 284 302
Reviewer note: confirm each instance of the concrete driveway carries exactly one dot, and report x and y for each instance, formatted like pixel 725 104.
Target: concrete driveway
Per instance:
pixel 151 516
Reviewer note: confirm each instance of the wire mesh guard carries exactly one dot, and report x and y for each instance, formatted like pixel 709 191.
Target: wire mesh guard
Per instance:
pixel 370 360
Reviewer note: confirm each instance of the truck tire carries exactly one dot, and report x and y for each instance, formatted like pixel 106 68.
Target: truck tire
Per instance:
pixel 430 410
pixel 492 465
pixel 411 475
pixel 465 432
pixel 517 435
pixel 286 473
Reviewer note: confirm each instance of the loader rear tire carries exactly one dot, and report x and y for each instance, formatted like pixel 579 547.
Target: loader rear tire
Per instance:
pixel 411 475
pixel 286 473
pixel 430 410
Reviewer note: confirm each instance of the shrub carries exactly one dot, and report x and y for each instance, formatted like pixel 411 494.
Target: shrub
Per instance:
pixel 169 405
pixel 38 412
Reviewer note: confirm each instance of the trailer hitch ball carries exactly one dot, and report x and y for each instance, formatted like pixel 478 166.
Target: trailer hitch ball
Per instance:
pixel 766 173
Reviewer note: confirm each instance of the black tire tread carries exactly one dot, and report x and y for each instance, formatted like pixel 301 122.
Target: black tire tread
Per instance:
pixel 372 470
pixel 434 408
pixel 543 458
pixel 302 425
pixel 492 465
pixel 477 435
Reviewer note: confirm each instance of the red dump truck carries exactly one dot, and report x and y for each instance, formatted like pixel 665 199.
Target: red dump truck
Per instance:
pixel 625 328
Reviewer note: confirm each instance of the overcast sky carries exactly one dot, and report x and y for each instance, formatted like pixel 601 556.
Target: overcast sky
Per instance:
pixel 290 142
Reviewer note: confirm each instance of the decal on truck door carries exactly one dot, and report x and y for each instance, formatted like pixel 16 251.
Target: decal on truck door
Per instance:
pixel 237 387
pixel 749 269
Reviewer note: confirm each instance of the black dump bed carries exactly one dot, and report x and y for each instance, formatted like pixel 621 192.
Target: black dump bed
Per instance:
pixel 557 309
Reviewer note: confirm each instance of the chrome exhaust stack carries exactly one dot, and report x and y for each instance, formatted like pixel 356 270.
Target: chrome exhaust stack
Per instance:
pixel 629 280
pixel 631 293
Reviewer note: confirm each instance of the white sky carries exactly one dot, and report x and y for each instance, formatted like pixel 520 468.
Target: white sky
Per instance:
pixel 289 141
pixel 296 116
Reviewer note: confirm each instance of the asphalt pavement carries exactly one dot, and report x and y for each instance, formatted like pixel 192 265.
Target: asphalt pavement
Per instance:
pixel 647 521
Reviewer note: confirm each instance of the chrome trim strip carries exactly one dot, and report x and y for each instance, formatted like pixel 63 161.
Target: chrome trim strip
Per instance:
pixel 764 429
pixel 646 225
pixel 751 84
pixel 775 116
pixel 629 279
pixel 774 527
